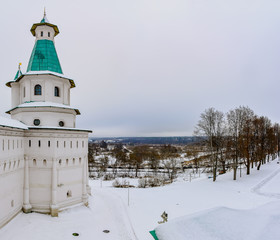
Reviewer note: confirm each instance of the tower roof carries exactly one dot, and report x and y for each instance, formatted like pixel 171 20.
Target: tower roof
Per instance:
pixel 19 73
pixel 44 21
pixel 44 57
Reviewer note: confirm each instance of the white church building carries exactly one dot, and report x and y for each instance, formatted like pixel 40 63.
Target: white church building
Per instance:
pixel 43 157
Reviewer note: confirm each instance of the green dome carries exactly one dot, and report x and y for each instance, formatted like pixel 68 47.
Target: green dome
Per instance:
pixel 44 57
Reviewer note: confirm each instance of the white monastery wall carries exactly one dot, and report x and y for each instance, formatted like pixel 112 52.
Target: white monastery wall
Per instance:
pixel 67 152
pixel 11 172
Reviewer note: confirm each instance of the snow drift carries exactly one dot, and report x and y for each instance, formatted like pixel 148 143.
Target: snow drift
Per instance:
pixel 225 223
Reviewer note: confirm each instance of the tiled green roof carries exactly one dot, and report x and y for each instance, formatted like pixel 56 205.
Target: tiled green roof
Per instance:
pixel 44 57
pixel 19 73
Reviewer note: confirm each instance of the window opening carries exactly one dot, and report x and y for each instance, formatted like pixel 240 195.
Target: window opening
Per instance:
pixel 56 91
pixel 34 162
pixel 42 34
pixel 29 143
pixel 39 143
pixel 49 143
pixel 69 193
pixel 37 90
pixel 45 162
pixel 36 122
pixel 49 34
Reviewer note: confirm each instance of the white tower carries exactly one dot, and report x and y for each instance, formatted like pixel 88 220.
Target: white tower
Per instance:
pixel 55 152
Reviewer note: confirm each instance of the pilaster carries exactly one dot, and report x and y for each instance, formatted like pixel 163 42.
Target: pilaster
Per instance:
pixel 26 208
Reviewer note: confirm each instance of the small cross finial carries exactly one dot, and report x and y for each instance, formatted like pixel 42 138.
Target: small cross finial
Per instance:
pixel 19 66
pixel 44 12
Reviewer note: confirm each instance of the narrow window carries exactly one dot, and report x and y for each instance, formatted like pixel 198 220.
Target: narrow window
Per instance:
pixel 38 89
pixel 45 162
pixel 24 92
pixel 69 194
pixel 59 161
pixel 34 162
pixel 29 143
pixel 83 144
pixel 77 144
pixel 70 144
pixel 67 161
pixel 49 34
pixel 80 160
pixel 56 91
pixel 5 166
pixel 3 145
pixel 57 144
pixel 42 34
pixel 18 163
pixel 17 143
pixel 13 144
pixel 49 143
pixel 64 144
pixel 39 143
pixel 8 144
pixel 12 203
pixel 73 161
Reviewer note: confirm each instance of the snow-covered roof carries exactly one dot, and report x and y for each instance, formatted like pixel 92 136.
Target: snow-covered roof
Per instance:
pixel 7 122
pixel 59 128
pixel 43 73
pixel 224 223
pixel 44 104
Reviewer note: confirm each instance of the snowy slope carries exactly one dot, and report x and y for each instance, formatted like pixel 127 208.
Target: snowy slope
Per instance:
pixel 233 206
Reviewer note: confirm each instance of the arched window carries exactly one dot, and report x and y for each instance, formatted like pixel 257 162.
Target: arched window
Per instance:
pixel 56 91
pixel 37 90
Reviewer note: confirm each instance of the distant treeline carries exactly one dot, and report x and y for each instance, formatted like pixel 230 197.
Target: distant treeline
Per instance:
pixel 149 140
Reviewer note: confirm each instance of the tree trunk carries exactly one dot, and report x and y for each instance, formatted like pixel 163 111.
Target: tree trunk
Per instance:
pixel 234 172
pixel 259 165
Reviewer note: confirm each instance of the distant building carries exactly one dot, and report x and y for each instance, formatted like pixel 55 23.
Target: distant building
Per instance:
pixel 43 157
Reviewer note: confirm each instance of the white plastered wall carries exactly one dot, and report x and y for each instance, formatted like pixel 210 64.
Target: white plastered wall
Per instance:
pixel 67 151
pixel 48 83
pixel 47 116
pixel 11 172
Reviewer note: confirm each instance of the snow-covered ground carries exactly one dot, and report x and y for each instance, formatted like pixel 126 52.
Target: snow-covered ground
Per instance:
pixel 230 203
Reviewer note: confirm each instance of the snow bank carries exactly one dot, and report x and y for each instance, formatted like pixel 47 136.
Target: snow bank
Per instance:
pixel 225 223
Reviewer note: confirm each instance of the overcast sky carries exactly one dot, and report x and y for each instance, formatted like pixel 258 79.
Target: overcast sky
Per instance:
pixel 151 67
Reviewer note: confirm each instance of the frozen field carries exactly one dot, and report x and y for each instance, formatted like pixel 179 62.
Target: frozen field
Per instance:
pixel 199 199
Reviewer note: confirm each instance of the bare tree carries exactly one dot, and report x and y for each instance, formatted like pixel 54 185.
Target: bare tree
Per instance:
pixel 212 126
pixel 236 120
